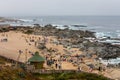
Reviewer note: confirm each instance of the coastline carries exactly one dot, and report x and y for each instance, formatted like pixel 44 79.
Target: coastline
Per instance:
pixel 71 43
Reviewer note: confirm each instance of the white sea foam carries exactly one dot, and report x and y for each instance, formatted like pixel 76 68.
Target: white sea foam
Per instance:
pixel 99 34
pixel 21 25
pixel 110 61
pixel 107 34
pixel 26 20
pixel 105 27
pixel 59 26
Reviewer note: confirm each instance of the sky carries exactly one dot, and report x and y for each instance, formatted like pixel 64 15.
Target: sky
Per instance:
pixel 59 7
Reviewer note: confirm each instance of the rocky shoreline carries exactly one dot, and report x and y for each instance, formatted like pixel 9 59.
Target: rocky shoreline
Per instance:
pixel 76 48
pixel 86 41
pixel 2 19
pixel 77 39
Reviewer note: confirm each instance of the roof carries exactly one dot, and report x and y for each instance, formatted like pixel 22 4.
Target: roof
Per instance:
pixel 36 58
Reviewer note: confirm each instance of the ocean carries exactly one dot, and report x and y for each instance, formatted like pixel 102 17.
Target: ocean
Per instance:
pixel 104 26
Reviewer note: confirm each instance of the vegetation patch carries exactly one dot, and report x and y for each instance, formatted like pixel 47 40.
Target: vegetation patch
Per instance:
pixel 70 76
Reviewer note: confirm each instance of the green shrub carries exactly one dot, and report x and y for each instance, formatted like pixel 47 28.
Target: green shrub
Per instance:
pixel 29 32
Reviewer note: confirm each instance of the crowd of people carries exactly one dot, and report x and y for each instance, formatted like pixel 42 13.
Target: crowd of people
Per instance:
pixel 4 37
pixel 53 57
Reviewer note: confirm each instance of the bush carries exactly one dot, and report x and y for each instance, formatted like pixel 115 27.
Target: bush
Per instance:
pixel 4 29
pixel 29 32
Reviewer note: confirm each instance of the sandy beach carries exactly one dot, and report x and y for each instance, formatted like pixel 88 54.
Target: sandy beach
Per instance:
pixel 17 41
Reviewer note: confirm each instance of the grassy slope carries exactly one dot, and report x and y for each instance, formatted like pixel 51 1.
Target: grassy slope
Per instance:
pixel 70 76
pixel 10 73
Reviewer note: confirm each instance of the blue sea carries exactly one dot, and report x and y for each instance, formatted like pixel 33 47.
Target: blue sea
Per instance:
pixel 108 26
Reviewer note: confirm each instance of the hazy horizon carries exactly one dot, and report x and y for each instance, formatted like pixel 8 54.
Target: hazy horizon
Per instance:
pixel 59 8
pixel 61 16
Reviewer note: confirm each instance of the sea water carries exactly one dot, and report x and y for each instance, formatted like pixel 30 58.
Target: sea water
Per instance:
pixel 110 61
pixel 104 26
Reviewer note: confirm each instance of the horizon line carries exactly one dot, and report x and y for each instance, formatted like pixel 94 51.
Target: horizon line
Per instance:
pixel 53 15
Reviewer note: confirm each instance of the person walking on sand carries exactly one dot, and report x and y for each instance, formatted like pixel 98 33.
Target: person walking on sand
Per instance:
pixel 59 66
pixel 39 38
pixel 6 35
pixel 79 68
pixel 56 65
pixel 35 43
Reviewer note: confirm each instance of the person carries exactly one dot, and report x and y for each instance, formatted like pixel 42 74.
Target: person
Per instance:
pixel 1 40
pixel 59 66
pixel 29 44
pixel 79 68
pixel 56 65
pixel 99 68
pixel 46 57
pixel 90 69
pixel 6 35
pixel 20 51
pixel 39 38
pixel 4 40
pixel 35 43
pixel 26 50
pixel 30 52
